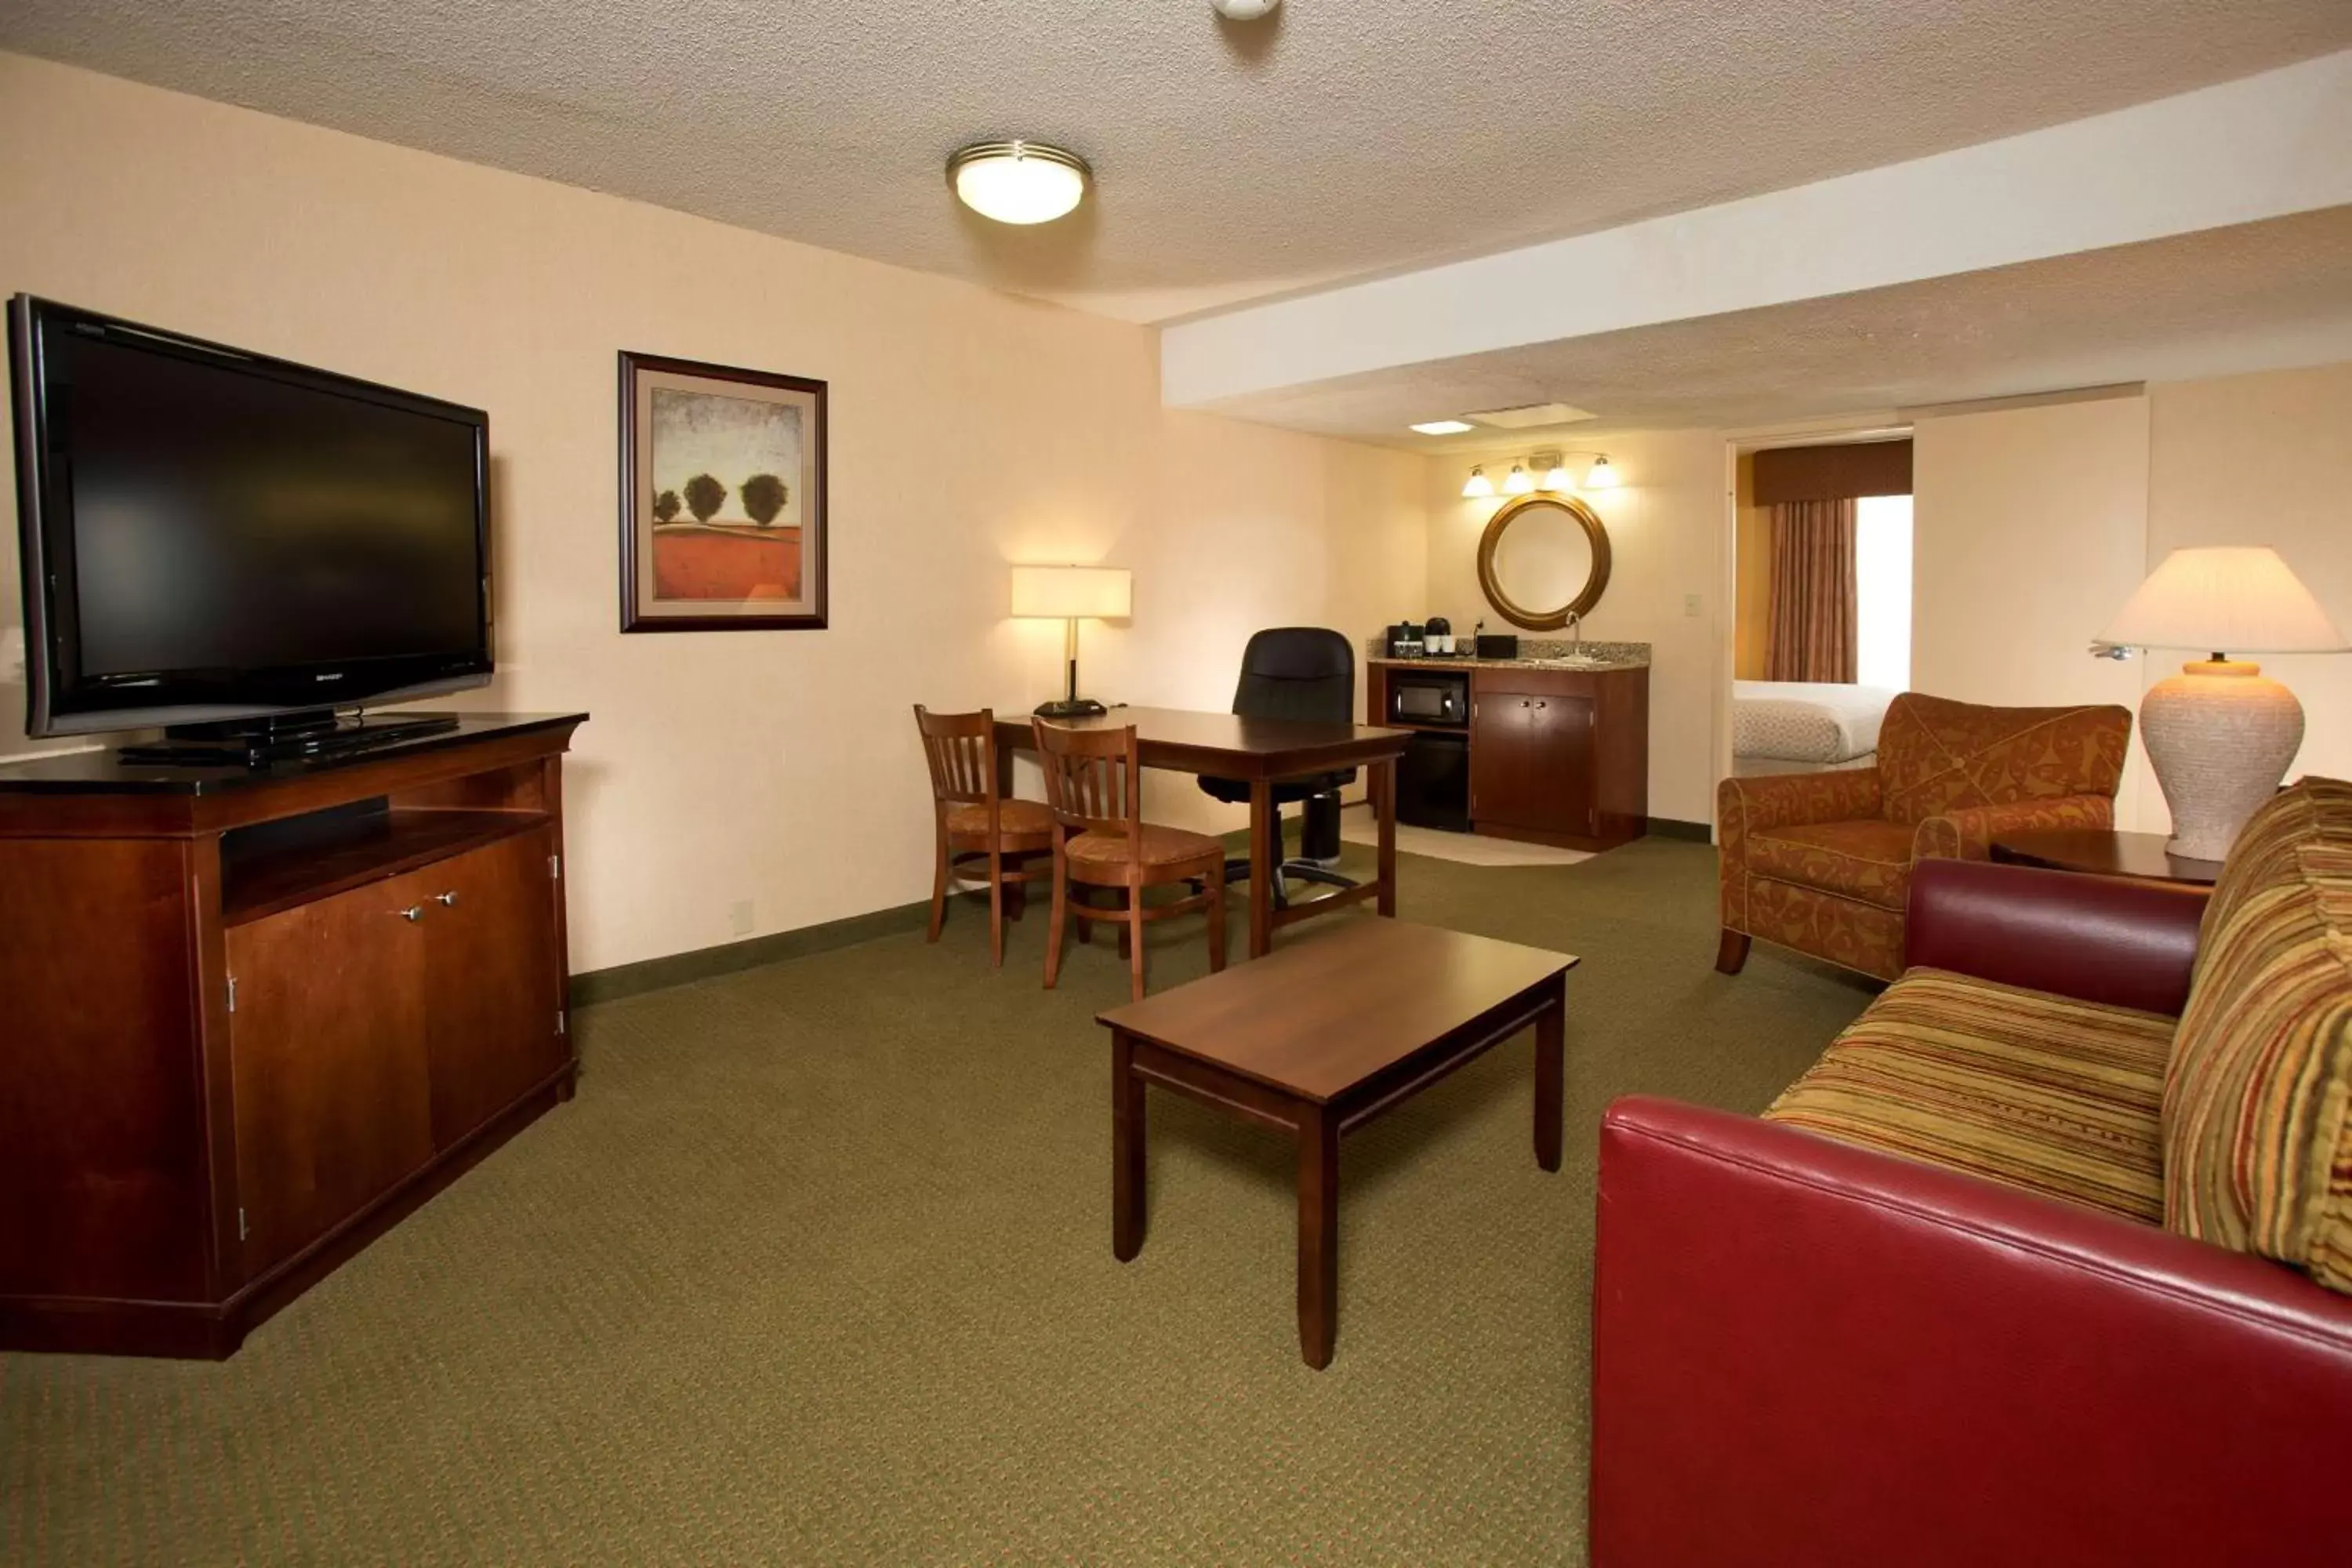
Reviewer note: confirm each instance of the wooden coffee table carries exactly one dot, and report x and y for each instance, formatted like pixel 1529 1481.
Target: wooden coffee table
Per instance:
pixel 1316 1040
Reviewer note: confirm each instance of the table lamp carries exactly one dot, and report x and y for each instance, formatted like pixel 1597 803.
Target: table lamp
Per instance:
pixel 2220 733
pixel 1064 593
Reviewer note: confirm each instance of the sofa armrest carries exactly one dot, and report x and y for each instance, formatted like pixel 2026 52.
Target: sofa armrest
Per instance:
pixel 2110 940
pixel 1788 800
pixel 1966 834
pixel 1808 1353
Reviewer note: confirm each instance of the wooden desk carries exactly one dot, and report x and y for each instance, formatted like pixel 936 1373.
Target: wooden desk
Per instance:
pixel 1262 752
pixel 1320 1040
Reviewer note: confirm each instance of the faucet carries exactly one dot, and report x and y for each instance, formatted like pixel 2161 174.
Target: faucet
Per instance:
pixel 1576 635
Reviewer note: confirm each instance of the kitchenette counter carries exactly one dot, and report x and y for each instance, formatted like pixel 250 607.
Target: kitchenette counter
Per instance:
pixel 1597 665
pixel 1536 747
pixel 1534 653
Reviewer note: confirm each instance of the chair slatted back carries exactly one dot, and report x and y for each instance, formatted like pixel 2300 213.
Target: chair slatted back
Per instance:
pixel 1093 781
pixel 962 750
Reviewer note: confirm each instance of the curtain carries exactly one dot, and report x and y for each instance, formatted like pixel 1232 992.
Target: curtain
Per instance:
pixel 1813 605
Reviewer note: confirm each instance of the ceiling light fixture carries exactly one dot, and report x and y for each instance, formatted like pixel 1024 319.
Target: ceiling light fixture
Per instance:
pixel 1479 486
pixel 1243 10
pixel 1019 182
pixel 1442 427
pixel 1518 482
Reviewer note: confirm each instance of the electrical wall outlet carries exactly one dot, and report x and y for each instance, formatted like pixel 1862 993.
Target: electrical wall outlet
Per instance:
pixel 1690 604
pixel 739 918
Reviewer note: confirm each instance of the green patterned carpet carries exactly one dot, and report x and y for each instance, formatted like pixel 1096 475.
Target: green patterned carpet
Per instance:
pixel 817 1268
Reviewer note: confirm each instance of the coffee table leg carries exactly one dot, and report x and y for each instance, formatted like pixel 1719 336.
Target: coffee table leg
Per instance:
pixel 1125 1149
pixel 1318 1235
pixel 1550 1066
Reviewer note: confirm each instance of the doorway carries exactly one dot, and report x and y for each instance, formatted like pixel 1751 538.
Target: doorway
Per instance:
pixel 1822 594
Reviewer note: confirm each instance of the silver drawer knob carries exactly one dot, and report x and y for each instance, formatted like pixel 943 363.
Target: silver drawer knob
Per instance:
pixel 447 901
pixel 412 913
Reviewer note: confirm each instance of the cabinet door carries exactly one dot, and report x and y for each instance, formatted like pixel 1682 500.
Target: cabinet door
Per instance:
pixel 1531 762
pixel 494 982
pixel 1501 789
pixel 327 1059
pixel 1560 736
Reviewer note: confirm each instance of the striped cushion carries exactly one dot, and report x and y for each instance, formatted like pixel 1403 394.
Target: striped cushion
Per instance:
pixel 2055 1096
pixel 2258 1107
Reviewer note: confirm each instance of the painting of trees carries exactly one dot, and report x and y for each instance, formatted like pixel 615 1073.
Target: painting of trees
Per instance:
pixel 704 495
pixel 723 481
pixel 763 498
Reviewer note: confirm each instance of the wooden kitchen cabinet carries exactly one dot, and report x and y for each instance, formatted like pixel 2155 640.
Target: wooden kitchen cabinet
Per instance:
pixel 1532 760
pixel 1557 756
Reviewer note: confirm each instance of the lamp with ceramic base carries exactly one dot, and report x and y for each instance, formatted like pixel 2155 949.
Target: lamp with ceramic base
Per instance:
pixel 1064 593
pixel 2220 735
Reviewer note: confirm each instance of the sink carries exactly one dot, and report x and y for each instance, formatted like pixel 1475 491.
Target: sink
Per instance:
pixel 1574 661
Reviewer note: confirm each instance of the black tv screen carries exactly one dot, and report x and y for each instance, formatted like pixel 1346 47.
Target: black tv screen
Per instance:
pixel 210 534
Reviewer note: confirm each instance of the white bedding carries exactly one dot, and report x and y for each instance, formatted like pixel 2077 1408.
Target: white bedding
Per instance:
pixel 1806 722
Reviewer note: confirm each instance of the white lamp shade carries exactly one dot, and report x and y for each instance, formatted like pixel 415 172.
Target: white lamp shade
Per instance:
pixel 1067 593
pixel 2224 599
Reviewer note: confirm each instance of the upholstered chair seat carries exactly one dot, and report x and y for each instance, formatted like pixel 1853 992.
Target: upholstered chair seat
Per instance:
pixel 1821 862
pixel 1158 847
pixel 1014 819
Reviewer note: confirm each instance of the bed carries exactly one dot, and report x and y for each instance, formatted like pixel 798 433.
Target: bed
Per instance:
pixel 1797 726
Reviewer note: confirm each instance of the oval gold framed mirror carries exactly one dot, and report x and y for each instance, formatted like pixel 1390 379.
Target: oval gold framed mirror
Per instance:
pixel 1540 551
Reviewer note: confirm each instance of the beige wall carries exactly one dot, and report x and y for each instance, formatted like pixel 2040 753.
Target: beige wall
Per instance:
pixel 1666 542
pixel 969 429
pixel 2029 529
pixel 2266 459
pixel 2035 523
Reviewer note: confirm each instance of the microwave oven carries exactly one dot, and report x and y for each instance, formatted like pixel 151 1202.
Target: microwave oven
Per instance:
pixel 1436 697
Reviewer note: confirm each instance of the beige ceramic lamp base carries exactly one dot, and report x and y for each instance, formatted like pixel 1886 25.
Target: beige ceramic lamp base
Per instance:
pixel 2220 735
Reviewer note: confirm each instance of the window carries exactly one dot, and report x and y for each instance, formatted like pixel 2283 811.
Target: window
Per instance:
pixel 1882 578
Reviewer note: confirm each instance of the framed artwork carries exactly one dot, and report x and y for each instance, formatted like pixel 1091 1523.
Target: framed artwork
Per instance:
pixel 722 498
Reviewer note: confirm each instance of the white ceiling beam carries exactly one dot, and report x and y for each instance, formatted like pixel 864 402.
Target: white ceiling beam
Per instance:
pixel 2264 146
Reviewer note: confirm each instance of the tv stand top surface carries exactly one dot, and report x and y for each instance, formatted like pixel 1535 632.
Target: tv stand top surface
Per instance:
pixel 105 772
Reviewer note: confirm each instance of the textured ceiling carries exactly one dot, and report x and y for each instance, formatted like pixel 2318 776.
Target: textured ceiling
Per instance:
pixel 2253 296
pixel 1339 138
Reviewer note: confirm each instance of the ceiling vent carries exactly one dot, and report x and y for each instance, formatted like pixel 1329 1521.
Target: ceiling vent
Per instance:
pixel 1531 415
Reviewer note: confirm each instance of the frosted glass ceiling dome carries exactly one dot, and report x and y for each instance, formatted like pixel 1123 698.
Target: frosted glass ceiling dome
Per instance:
pixel 1019 182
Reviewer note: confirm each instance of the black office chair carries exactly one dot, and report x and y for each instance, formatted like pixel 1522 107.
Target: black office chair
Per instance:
pixel 1306 673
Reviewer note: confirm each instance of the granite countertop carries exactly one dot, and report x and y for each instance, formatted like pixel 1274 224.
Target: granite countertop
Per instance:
pixel 1463 661
pixel 1534 653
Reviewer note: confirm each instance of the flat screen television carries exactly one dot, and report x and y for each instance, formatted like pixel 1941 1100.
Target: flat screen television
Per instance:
pixel 210 535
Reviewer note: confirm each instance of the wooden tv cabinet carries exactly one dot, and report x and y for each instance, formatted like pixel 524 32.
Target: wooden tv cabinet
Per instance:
pixel 249 1020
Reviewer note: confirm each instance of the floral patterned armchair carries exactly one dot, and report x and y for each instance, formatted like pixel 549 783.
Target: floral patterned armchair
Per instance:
pixel 1821 862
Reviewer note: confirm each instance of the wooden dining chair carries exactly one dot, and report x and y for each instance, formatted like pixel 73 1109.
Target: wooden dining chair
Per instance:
pixel 980 833
pixel 1093 786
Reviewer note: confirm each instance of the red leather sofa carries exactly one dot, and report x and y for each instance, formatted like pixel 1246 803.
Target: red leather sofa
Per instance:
pixel 1811 1352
